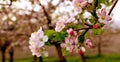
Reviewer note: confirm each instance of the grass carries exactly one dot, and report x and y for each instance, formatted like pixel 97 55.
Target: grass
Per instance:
pixel 103 58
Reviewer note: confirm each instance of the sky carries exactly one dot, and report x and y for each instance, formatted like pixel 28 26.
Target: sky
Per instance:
pixel 116 15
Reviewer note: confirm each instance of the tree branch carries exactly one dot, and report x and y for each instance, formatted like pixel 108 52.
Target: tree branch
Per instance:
pixel 46 14
pixel 114 4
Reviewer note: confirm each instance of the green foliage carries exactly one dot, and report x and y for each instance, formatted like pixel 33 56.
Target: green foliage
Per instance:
pixel 49 32
pixel 60 36
pixel 55 36
pixel 64 51
pixel 97 31
pixel 81 38
pixel 106 2
pixel 72 26
pixel 92 20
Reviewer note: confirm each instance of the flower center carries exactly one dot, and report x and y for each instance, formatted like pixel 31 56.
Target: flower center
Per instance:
pixel 41 39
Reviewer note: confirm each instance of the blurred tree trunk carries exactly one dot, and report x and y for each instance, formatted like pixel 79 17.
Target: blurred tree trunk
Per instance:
pixel 62 58
pixel 34 58
pixel 3 48
pixel 99 45
pixel 11 53
pixel 83 58
pixel 40 59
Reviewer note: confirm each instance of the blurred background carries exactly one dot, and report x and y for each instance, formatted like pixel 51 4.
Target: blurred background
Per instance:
pixel 19 18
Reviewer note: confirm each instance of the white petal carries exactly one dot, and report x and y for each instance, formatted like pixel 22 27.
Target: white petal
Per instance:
pixel 83 49
pixel 45 38
pixel 40 44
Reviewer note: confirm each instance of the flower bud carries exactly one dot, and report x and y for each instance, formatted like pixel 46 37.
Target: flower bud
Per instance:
pixel 70 32
pixel 88 43
pixel 96 26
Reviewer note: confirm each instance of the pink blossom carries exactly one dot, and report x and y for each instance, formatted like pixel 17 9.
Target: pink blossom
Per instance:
pixel 70 31
pixel 69 44
pixel 59 26
pixel 96 26
pixel 88 43
pixel 102 16
pixel 90 1
pixel 79 4
pixel 37 41
pixel 71 20
pixel 81 51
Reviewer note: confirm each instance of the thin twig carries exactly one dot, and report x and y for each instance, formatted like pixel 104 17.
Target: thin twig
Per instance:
pixel 87 29
pixel 83 28
pixel 114 4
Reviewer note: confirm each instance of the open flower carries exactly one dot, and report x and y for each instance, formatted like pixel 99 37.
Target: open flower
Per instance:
pixel 70 44
pixel 102 16
pixel 79 4
pixel 37 41
pixel 59 26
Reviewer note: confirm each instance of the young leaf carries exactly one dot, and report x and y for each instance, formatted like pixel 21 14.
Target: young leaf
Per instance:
pixel 81 38
pixel 64 51
pixel 60 36
pixel 97 31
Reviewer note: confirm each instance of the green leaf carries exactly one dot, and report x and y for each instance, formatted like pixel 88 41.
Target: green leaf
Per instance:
pixel 59 36
pixel 106 2
pixel 97 31
pixel 72 26
pixel 92 21
pixel 47 43
pixel 49 32
pixel 81 38
pixel 64 51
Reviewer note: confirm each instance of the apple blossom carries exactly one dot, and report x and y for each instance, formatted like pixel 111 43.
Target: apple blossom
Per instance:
pixel 102 16
pixel 96 26
pixel 37 41
pixel 88 43
pixel 79 4
pixel 71 32
pixel 81 50
pixel 69 44
pixel 59 26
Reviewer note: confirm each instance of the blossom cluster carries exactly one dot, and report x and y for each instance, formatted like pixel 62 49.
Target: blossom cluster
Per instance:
pixel 72 45
pixel 37 42
pixel 71 42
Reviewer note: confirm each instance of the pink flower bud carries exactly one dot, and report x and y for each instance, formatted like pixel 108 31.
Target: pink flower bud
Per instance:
pixel 71 32
pixel 96 26
pixel 81 51
pixel 88 43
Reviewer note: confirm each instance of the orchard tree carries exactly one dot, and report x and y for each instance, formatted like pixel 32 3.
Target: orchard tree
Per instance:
pixel 69 32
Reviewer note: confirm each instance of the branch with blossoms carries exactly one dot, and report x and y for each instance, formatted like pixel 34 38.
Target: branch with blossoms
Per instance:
pixel 70 32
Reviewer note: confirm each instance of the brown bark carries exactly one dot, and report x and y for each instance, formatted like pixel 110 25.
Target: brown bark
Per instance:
pixel 62 58
pixel 99 46
pixel 34 58
pixel 83 58
pixel 40 59
pixel 11 53
pixel 3 53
